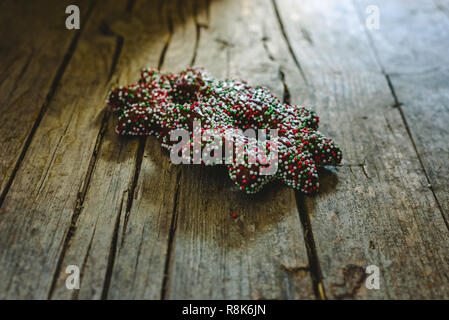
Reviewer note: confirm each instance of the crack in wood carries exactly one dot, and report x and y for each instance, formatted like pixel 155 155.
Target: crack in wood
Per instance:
pixel 139 251
pixel 314 264
pixel 364 171
pixel 265 46
pixel 199 26
pixel 75 294
pixel 53 156
pixel 306 35
pixel 227 46
pixel 111 259
pixel 167 44
pixel 301 270
pixel 287 41
pixel 80 201
pixel 399 106
pixel 57 79
pixel 171 238
pixel 174 218
pixel 107 31
pixel 401 111
pixel 286 96
pixel 132 188
pixel 197 42
pixel 118 50
pixel 314 267
pixel 390 128
pixel 354 165
pixel 143 140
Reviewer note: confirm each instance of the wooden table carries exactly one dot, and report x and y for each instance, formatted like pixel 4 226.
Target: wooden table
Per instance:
pixel 137 226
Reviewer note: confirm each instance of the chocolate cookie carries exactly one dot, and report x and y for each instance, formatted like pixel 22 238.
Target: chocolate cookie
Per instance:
pixel 162 103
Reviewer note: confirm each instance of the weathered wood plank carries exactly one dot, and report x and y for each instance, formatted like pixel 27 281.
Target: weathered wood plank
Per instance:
pixel 126 233
pixel 145 234
pixel 417 63
pixel 104 218
pixel 49 188
pixel 376 209
pixel 33 56
pixel 261 254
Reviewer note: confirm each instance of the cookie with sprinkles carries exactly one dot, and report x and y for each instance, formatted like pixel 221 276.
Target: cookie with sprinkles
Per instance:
pixel 162 102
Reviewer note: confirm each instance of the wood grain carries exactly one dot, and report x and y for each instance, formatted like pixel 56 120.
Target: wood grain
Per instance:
pixel 34 52
pixel 72 192
pixel 45 198
pixel 417 65
pixel 144 238
pixel 106 219
pixel 375 209
pixel 261 254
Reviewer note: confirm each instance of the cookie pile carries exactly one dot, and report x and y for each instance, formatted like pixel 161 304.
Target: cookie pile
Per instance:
pixel 162 102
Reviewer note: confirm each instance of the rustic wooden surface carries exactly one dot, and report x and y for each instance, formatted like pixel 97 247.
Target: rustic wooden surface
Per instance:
pixel 74 193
